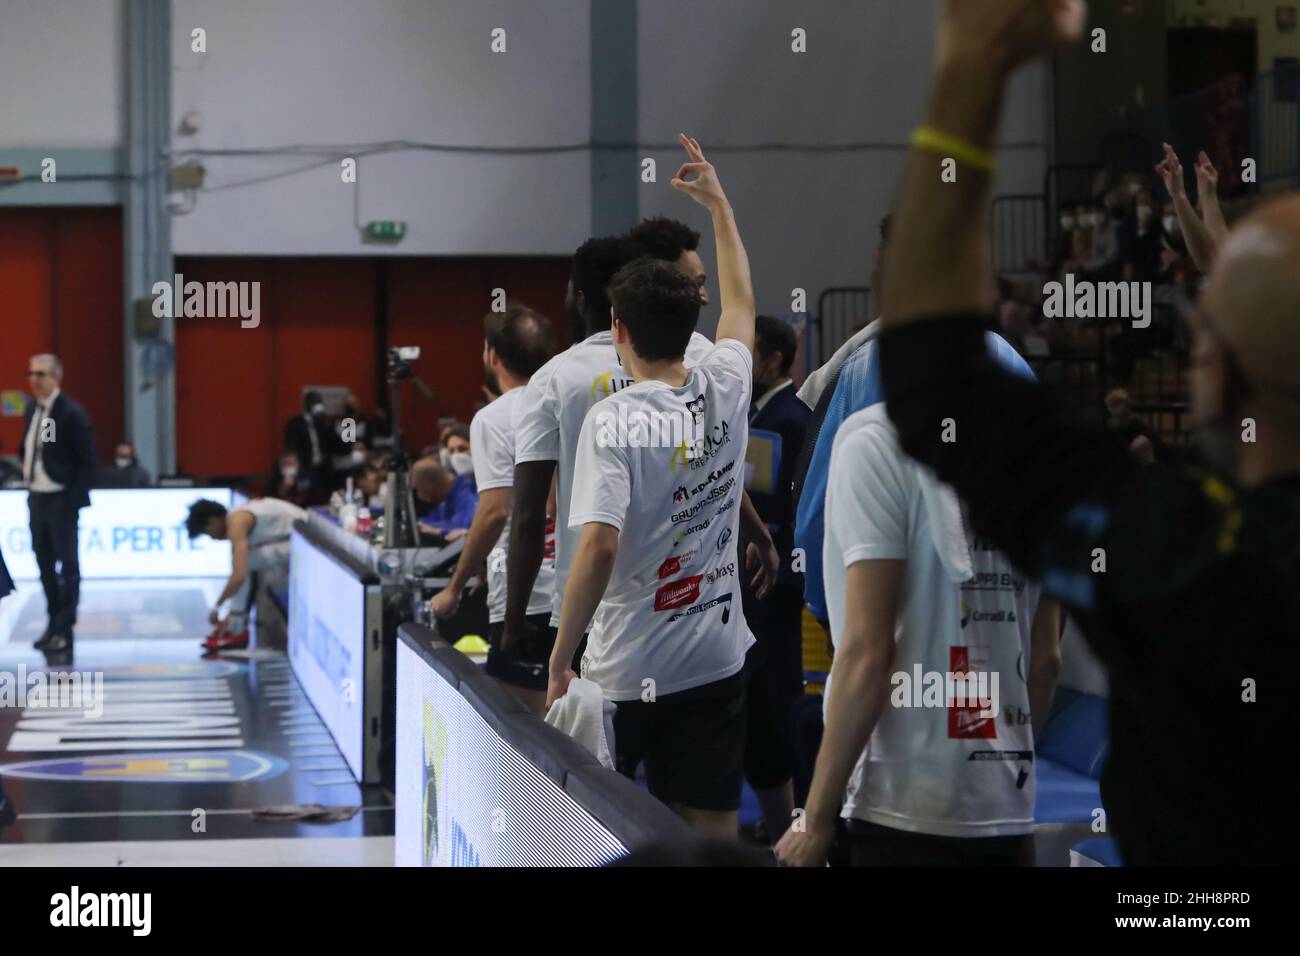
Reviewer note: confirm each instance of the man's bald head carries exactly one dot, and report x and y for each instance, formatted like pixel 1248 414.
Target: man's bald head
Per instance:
pixel 430 480
pixel 1253 300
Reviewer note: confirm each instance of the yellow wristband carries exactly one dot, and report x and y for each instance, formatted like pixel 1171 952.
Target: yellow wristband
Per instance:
pixel 933 141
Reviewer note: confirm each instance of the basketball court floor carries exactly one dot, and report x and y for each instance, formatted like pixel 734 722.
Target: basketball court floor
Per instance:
pixel 165 757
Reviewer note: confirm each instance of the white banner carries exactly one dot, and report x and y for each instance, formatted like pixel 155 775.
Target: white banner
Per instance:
pixel 125 533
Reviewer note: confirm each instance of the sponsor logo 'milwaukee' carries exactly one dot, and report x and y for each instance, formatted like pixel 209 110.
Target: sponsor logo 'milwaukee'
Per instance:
pixel 968 719
pixel 677 594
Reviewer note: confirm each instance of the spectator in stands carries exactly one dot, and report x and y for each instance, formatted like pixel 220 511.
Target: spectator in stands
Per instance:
pixel 1140 240
pixel 353 422
pixel 1177 266
pixel 1196 617
pixel 370 481
pixel 1127 428
pixel 1103 256
pixel 778 421
pixel 1063 244
pixel 126 470
pixel 1201 233
pixel 312 438
pixel 674 242
pixel 289 483
pixel 444 503
pixel 456 444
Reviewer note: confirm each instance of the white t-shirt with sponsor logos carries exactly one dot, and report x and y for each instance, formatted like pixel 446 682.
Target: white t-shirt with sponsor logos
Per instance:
pixel 665 466
pixel 940 766
pixel 549 417
pixel 492 436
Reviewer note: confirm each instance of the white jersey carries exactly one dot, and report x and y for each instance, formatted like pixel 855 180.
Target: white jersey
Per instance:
pixel 268 542
pixel 549 417
pixel 939 761
pixel 671 613
pixel 492 436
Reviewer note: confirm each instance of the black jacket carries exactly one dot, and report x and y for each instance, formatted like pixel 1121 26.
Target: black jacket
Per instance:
pixel 70 458
pixel 786 415
pixel 1183 583
pixel 297 439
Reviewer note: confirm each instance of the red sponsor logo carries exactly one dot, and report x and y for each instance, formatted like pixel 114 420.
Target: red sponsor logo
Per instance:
pixel 670 567
pixel 677 594
pixel 548 540
pixel 676 563
pixel 967 720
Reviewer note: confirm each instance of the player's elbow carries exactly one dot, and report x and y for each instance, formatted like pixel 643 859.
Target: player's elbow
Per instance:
pixel 601 545
pixel 864 661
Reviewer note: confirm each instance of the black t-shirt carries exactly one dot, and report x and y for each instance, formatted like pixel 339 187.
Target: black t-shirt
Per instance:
pixel 1196 615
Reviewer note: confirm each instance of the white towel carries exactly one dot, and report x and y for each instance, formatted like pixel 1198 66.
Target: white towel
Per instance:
pixel 585 715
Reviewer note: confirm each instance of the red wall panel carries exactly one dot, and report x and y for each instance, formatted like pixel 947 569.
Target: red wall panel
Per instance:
pixel 61 279
pixel 225 379
pixel 439 304
pixel 236 387
pixel 26 316
pixel 88 317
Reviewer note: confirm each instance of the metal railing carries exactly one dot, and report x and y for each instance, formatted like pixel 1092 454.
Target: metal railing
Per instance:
pixel 840 310
pixel 1020 231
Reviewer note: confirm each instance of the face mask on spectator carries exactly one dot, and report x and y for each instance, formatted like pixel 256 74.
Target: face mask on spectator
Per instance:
pixel 444 456
pixel 1171 225
pixel 289 473
pixel 318 410
pixel 122 462
pixel 462 463
pixel 1144 212
pixel 1067 223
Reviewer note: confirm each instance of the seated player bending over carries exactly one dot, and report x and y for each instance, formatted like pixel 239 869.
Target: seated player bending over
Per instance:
pixel 258 533
pixel 657 562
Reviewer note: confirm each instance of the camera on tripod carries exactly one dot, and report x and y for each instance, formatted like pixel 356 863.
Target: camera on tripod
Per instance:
pixel 399 362
pixel 400 521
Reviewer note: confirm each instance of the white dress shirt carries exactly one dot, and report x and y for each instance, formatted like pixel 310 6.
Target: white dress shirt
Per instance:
pixel 40 481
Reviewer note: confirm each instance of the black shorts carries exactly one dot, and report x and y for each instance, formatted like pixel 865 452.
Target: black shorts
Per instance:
pixel 692 742
pixel 527 668
pixel 871 844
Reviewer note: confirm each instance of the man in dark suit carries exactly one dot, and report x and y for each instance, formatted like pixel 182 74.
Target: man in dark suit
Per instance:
pixel 778 421
pixel 59 468
pixel 311 437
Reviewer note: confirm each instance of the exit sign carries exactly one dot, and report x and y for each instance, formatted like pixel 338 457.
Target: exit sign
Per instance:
pixel 386 230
